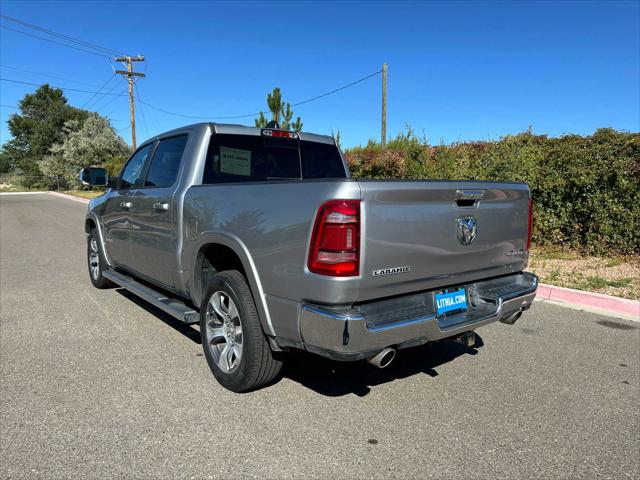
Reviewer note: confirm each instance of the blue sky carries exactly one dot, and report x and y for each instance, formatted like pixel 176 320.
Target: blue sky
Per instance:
pixel 457 70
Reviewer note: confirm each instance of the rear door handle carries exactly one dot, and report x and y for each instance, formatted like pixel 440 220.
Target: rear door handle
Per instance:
pixel 161 206
pixel 126 205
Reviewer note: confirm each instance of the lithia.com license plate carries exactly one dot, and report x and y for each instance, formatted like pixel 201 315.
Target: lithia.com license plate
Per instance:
pixel 451 301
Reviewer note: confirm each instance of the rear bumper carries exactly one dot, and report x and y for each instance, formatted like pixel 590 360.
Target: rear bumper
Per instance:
pixel 364 330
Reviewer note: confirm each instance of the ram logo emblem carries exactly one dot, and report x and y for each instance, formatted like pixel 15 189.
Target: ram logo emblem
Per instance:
pixel 467 229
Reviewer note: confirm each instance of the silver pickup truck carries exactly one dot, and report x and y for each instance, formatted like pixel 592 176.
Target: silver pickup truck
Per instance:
pixel 262 237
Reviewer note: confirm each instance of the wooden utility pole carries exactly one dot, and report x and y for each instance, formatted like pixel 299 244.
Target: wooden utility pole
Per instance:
pixel 130 75
pixel 383 132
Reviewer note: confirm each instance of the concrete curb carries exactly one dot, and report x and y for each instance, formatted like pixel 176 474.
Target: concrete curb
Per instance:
pixel 22 193
pixel 599 301
pixel 69 197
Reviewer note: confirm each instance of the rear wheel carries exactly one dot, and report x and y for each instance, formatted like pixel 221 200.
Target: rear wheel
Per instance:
pixel 234 345
pixel 96 262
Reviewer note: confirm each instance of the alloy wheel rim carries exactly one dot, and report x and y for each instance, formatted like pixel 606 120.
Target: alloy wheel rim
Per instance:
pixel 224 332
pixel 94 259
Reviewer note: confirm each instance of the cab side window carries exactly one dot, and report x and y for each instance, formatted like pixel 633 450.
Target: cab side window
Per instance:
pixel 133 170
pixel 166 162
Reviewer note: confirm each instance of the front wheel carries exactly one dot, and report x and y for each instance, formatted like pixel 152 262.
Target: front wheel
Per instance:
pixel 234 345
pixel 96 262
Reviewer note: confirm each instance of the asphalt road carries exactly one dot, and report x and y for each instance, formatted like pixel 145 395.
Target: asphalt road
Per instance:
pixel 95 385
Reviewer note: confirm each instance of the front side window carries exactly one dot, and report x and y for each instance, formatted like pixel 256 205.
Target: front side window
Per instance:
pixel 133 171
pixel 166 162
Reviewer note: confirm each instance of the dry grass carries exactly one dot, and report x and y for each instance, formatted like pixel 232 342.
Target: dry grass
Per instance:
pixel 618 276
pixel 10 187
pixel 83 194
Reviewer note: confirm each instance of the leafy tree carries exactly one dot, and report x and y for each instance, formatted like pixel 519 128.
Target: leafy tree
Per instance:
pixel 37 127
pixel 281 112
pixel 7 158
pixel 94 143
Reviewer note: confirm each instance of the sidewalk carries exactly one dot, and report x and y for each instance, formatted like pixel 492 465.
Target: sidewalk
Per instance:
pixel 69 197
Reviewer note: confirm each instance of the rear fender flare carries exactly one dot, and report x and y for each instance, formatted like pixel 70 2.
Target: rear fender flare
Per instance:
pixel 240 249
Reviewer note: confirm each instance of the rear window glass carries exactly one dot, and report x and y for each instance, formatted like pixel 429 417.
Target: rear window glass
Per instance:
pixel 249 158
pixel 245 158
pixel 321 160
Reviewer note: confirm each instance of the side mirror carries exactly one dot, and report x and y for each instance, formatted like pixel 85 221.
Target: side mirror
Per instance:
pixel 94 176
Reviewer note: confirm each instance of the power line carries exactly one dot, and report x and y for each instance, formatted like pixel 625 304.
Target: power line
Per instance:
pixel 142 113
pixel 94 105
pixel 52 86
pixel 152 113
pixel 116 106
pixel 47 75
pixel 111 101
pixel 144 118
pixel 337 89
pixel 54 41
pixel 99 90
pixel 258 113
pixel 185 116
pixel 64 37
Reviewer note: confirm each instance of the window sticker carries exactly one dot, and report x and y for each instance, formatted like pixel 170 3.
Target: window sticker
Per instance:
pixel 235 161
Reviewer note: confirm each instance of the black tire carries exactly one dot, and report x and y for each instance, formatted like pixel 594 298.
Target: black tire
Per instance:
pixel 93 247
pixel 257 365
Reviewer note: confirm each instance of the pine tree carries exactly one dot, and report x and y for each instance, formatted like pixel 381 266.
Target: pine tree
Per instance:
pixel 281 112
pixel 336 137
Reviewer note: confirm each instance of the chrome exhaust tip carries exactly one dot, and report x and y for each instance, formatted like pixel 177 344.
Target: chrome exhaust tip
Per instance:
pixel 384 358
pixel 468 339
pixel 510 320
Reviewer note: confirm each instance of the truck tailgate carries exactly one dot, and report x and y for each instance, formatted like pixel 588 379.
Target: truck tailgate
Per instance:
pixel 411 233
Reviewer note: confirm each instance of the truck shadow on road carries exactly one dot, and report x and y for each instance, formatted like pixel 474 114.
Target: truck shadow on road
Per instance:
pixel 335 379
pixel 187 330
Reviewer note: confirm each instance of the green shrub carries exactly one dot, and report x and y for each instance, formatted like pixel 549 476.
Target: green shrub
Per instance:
pixel 114 165
pixel 586 188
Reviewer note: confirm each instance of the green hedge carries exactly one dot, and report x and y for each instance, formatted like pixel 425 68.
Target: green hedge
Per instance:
pixel 586 189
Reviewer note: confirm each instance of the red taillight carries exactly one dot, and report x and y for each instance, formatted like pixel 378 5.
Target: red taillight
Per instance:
pixel 335 242
pixel 530 225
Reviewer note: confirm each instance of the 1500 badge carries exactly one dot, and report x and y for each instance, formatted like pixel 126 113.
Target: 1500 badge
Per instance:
pixel 391 271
